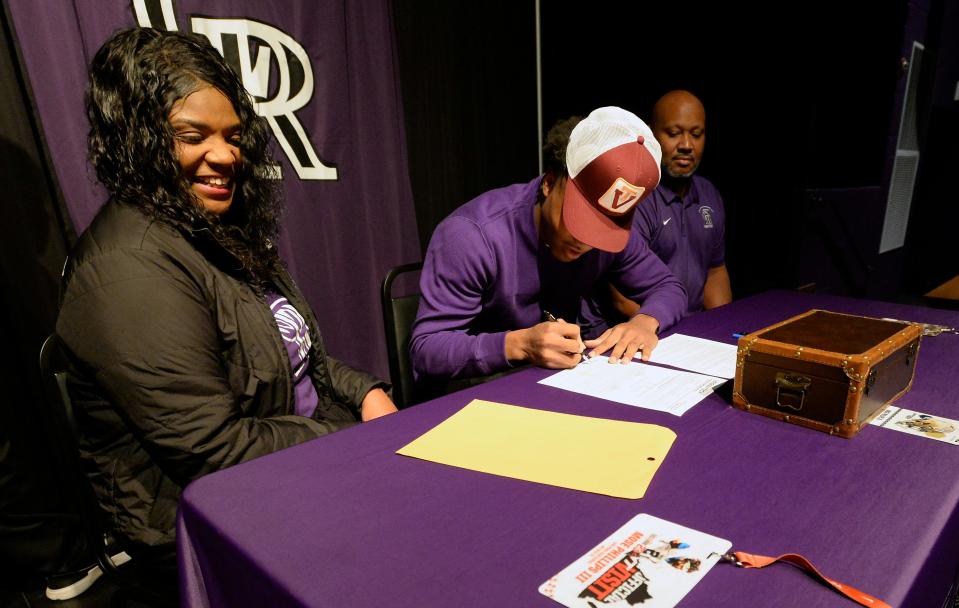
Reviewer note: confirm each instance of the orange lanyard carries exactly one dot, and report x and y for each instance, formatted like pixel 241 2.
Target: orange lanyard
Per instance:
pixel 748 560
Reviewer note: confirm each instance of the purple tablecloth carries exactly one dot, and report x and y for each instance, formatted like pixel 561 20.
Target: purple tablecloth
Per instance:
pixel 343 521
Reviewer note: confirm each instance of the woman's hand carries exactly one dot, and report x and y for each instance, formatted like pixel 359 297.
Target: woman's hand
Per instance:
pixel 376 403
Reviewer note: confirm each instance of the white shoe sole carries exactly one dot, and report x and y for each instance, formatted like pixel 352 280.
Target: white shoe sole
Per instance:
pixel 79 587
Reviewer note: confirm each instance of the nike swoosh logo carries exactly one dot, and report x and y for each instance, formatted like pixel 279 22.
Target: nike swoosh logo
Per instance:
pixel 666 221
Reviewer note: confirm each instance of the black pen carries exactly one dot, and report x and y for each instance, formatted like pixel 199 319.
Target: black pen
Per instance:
pixel 549 317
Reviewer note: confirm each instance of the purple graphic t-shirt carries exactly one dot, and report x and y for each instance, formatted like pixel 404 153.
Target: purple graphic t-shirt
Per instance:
pixel 296 337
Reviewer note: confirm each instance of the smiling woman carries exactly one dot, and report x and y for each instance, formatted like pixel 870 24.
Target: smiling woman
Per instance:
pixel 208 146
pixel 140 81
pixel 191 348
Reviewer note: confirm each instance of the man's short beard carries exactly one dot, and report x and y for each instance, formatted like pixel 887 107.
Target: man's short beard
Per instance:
pixel 684 175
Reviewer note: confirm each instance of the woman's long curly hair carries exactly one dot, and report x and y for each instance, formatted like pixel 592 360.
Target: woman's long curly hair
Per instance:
pixel 135 79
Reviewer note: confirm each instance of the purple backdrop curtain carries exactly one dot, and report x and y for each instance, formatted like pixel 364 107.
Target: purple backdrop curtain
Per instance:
pixel 342 148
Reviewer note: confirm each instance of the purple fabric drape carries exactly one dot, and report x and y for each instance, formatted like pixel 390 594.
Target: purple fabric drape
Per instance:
pixel 341 145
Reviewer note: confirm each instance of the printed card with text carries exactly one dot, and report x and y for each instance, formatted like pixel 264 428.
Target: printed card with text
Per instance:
pixel 649 562
pixel 917 423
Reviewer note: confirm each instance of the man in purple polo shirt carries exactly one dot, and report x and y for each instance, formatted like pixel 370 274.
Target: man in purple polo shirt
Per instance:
pixel 683 220
pixel 500 263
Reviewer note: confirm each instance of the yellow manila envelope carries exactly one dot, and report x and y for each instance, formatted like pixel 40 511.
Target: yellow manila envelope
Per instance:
pixel 579 452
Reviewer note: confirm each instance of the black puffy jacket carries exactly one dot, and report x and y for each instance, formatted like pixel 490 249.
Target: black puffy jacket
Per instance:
pixel 179 368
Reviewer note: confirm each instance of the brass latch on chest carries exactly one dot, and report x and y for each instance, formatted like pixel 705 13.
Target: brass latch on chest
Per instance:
pixel 791 390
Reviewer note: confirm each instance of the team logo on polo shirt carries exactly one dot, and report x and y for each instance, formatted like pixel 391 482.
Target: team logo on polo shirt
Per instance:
pixel 621 197
pixel 707 213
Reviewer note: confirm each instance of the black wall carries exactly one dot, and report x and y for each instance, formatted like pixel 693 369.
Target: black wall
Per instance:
pixel 798 97
pixel 932 255
pixel 468 75
pixel 802 102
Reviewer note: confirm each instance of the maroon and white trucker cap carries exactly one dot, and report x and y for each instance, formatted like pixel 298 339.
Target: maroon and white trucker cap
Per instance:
pixel 613 163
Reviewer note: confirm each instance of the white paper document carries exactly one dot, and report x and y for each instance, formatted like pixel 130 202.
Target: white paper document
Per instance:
pixel 696 355
pixel 637 384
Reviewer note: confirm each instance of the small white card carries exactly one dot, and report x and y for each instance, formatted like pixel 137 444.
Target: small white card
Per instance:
pixel 916 423
pixel 649 562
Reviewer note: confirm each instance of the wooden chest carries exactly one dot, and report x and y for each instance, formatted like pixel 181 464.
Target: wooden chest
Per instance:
pixel 827 371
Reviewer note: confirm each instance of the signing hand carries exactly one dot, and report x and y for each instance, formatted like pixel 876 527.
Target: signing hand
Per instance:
pixel 552 344
pixel 376 403
pixel 637 334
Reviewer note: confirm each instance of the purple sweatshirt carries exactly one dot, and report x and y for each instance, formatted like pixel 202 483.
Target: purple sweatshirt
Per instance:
pixel 486 273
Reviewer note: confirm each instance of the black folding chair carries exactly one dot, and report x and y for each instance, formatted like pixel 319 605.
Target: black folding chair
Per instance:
pixel 398 315
pixel 107 556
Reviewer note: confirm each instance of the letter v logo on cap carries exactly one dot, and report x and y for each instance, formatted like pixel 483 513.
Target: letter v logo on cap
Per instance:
pixel 621 197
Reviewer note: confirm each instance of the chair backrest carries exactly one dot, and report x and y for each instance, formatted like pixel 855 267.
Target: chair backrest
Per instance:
pixel 63 428
pixel 398 315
